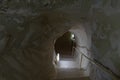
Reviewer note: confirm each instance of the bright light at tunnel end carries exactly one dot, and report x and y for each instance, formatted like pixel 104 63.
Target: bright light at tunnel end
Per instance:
pixel 58 57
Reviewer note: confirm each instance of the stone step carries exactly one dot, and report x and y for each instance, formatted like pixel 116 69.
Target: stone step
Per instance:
pixel 71 73
pixel 81 78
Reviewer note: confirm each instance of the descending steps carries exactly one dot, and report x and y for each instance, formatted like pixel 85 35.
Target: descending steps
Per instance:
pixel 68 69
pixel 71 74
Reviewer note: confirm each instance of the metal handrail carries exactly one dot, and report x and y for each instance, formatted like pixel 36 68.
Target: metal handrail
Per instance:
pixel 101 66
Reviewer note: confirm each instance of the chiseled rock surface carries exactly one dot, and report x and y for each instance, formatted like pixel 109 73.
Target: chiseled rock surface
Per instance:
pixel 27 34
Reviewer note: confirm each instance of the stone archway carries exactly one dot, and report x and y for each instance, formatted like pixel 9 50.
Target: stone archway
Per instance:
pixel 42 32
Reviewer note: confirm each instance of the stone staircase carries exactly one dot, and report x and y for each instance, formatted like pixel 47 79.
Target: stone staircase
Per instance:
pixel 71 74
pixel 68 69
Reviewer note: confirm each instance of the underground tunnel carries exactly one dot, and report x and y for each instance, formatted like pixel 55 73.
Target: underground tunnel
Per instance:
pixel 29 30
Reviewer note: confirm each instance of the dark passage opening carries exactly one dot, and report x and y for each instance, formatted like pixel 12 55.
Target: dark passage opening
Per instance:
pixel 64 44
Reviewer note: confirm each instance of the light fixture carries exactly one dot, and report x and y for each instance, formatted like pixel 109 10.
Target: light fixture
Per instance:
pixel 72 36
pixel 58 57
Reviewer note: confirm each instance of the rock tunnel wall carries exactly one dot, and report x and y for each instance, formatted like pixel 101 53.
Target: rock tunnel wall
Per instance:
pixel 19 33
pixel 83 43
pixel 27 53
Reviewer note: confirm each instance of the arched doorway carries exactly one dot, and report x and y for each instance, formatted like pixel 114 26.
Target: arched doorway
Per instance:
pixel 70 60
pixel 65 50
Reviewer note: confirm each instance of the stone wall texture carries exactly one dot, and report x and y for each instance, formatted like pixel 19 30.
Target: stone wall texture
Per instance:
pixel 28 29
